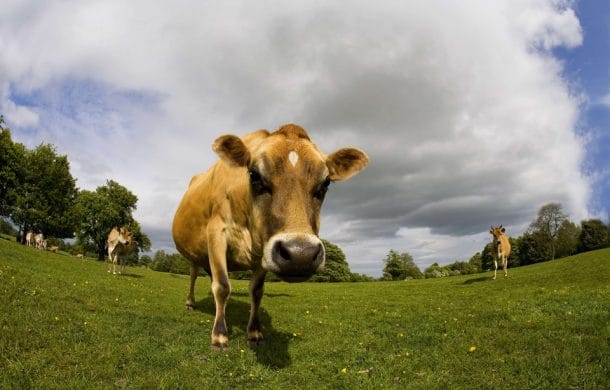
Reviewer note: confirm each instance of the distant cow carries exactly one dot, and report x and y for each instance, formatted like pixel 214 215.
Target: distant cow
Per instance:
pixel 54 248
pixel 120 244
pixel 500 248
pixel 39 241
pixel 81 256
pixel 258 209
pixel 29 239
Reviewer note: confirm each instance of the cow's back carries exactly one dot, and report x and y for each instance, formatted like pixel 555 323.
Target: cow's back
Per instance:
pixel 205 198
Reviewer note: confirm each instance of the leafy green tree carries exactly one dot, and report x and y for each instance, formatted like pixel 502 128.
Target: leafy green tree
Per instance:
pixel 547 224
pixel 46 196
pixel 567 239
pixel 400 266
pixel 336 268
pixel 593 235
pixel 476 262
pixel 12 170
pixel 99 211
pixel 173 263
pixel 435 271
pixel 534 248
pixel 487 259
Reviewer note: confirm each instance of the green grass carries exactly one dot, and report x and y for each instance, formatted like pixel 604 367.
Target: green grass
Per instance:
pixel 66 323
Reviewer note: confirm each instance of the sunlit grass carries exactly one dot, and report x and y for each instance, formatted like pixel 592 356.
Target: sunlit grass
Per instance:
pixel 66 322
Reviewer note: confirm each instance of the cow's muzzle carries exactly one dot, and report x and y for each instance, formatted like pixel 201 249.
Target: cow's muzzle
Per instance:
pixel 295 257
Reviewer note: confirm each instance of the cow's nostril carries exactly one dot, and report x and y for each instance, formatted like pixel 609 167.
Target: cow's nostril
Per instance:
pixel 297 251
pixel 284 252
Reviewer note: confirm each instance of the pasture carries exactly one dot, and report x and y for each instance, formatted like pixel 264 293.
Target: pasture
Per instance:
pixel 67 323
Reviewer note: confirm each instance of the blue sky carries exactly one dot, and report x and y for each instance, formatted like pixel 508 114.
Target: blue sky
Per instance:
pixel 588 67
pixel 473 113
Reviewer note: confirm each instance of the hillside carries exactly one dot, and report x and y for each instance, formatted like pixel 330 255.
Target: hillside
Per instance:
pixel 65 322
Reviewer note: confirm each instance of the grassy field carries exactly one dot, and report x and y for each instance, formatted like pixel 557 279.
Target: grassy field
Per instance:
pixel 66 323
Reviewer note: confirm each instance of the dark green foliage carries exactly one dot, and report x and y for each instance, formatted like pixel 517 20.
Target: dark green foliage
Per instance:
pixel 45 196
pixel 400 266
pixel 12 170
pixel 567 239
pixel 476 262
pixel 547 224
pixel 99 211
pixel 593 235
pixel 534 248
pixel 336 268
pixel 174 263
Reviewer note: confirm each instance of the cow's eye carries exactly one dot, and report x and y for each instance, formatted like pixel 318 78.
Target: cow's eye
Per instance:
pixel 322 189
pixel 259 186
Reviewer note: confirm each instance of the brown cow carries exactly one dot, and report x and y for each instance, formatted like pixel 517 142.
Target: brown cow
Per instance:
pixel 500 248
pixel 120 244
pixel 258 209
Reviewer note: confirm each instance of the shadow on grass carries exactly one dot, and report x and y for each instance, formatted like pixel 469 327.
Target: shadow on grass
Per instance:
pixel 273 352
pixel 266 295
pixel 478 280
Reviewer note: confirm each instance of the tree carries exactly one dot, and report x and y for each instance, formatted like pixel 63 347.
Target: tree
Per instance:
pixel 547 223
pixel 534 248
pixel 173 263
pixel 46 195
pixel 567 239
pixel 476 262
pixel 336 268
pixel 593 235
pixel 400 266
pixel 12 169
pixel 100 210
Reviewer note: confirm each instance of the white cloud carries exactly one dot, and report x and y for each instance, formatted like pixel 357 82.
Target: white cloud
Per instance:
pixel 461 106
pixel 604 101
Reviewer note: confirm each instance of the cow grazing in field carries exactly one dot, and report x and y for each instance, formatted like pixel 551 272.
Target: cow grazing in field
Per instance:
pixel 258 209
pixel 39 241
pixel 120 244
pixel 500 248
pixel 54 248
pixel 81 256
pixel 29 239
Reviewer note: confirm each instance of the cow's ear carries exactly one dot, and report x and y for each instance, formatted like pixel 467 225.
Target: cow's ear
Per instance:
pixel 503 230
pixel 232 150
pixel 345 163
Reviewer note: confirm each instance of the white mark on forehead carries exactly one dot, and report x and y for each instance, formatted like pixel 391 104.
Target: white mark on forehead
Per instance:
pixel 294 158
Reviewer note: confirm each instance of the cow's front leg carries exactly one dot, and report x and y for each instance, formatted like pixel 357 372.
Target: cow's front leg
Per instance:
pixel 257 284
pixel 495 268
pixel 505 266
pixel 221 288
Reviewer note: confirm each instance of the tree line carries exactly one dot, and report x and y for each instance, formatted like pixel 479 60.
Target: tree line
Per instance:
pixel 550 235
pixel 39 194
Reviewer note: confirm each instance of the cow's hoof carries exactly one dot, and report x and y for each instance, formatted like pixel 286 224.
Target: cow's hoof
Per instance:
pixel 218 346
pixel 255 342
pixel 189 306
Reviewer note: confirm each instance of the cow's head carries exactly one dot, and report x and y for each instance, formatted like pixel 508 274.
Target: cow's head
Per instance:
pixel 496 232
pixel 288 179
pixel 125 236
